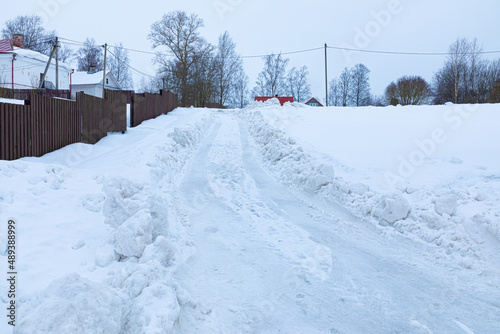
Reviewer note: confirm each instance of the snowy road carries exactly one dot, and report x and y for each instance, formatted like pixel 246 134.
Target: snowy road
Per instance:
pixel 272 260
pixel 206 221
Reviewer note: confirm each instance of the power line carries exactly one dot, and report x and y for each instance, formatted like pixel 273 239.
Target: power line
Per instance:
pixel 313 49
pixel 70 40
pixel 285 53
pixel 405 53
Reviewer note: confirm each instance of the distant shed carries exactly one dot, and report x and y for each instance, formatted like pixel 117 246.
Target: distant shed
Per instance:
pixel 314 103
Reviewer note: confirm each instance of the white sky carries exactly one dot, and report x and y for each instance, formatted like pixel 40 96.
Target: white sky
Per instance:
pixel 260 27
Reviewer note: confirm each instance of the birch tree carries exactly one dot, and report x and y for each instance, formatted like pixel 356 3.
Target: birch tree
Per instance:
pixel 271 80
pixel 227 65
pixel 345 87
pixel 119 63
pixel 360 85
pixel 333 93
pixel 298 85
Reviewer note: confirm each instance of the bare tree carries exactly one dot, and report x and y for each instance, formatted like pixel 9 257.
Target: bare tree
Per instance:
pixel 298 85
pixel 119 63
pixel 151 84
pixel 493 95
pixel 271 80
pixel 408 90
pixel 227 64
pixel 34 35
pixel 378 101
pixel 179 34
pixel 202 88
pixel 457 60
pixel 240 97
pixel 333 93
pixel 391 94
pixel 360 85
pixel 466 76
pixel 474 69
pixel 66 53
pixel 345 87
pixel 90 55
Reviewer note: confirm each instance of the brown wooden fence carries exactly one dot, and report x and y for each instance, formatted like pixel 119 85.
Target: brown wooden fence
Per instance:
pixel 46 124
pixel 147 106
pixel 43 125
pixel 100 116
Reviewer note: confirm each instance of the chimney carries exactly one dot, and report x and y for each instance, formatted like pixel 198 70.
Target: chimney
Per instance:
pixel 91 69
pixel 17 40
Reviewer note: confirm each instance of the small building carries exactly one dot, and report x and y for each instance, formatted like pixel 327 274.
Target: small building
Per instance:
pixel 23 69
pixel 314 103
pixel 282 99
pixel 90 83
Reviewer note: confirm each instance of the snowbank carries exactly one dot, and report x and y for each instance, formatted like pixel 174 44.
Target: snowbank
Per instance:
pixel 147 234
pixel 72 304
pixel 438 214
pixel 118 230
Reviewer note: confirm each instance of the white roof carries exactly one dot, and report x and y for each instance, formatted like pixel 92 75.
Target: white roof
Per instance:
pixel 29 54
pixel 84 78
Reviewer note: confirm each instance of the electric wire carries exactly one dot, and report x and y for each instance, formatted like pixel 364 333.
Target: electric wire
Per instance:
pixel 402 53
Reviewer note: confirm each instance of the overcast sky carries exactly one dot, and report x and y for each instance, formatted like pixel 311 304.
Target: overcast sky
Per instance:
pixel 261 27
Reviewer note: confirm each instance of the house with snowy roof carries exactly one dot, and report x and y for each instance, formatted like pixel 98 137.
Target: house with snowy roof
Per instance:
pixel 90 83
pixel 314 103
pixel 23 69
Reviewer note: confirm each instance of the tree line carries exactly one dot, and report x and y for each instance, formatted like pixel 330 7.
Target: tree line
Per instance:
pixel 202 74
pixel 466 77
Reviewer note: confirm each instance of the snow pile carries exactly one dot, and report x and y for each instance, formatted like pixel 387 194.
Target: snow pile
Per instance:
pixel 430 214
pixel 286 159
pixel 294 167
pixel 147 234
pixel 142 241
pixel 73 304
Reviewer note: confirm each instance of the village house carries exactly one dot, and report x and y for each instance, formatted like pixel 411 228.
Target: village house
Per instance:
pixel 314 103
pixel 23 69
pixel 90 83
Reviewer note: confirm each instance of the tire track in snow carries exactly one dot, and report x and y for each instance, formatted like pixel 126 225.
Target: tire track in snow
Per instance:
pixel 256 269
pixel 261 259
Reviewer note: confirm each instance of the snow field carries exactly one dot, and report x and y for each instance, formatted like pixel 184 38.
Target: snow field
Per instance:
pixel 456 218
pixel 120 281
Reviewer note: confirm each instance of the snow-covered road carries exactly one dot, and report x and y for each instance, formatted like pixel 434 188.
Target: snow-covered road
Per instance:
pixel 205 221
pixel 272 260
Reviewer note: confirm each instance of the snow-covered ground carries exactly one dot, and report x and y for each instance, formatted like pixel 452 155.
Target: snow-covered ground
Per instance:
pixel 263 220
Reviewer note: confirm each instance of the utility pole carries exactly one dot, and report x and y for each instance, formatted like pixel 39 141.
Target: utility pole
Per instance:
pixel 326 73
pixel 104 72
pixel 42 80
pixel 57 63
